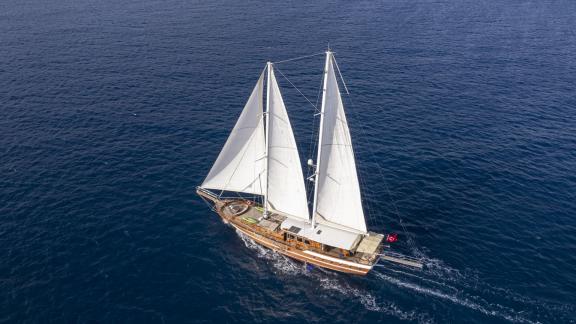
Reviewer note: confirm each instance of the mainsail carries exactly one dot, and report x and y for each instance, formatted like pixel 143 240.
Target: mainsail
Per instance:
pixel 337 194
pixel 286 191
pixel 240 166
pixel 255 163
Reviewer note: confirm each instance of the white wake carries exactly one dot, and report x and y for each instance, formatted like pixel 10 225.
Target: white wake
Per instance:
pixel 330 284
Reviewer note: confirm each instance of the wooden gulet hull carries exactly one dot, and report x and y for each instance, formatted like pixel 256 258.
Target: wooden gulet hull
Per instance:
pixel 310 257
pixel 275 242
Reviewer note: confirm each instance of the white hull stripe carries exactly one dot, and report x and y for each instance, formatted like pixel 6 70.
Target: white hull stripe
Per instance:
pixel 329 265
pixel 318 255
pixel 296 255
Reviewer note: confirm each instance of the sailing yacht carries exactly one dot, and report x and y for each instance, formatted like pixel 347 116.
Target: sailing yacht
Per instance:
pixel 260 158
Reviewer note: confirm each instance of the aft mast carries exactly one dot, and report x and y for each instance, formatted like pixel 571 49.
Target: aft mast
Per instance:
pixel 315 204
pixel 337 197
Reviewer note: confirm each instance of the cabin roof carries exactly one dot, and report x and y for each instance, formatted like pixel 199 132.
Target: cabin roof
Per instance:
pixel 322 233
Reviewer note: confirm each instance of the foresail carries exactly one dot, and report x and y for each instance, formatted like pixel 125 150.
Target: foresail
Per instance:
pixel 240 166
pixel 338 191
pixel 286 191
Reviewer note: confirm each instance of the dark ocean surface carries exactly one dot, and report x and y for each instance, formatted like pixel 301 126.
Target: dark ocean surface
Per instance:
pixel 463 115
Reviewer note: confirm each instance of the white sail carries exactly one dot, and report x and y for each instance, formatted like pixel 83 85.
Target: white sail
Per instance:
pixel 240 165
pixel 338 198
pixel 286 191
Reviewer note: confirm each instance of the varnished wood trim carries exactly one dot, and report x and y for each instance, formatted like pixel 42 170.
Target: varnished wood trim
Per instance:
pixel 336 260
pixel 304 258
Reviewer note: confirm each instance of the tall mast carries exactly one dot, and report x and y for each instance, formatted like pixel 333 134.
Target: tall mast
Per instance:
pixel 267 133
pixel 320 133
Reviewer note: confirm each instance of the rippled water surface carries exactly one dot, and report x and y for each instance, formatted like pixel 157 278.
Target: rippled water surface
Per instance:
pixel 111 112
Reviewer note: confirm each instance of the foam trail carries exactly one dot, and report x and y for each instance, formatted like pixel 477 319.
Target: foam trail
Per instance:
pixel 455 299
pixel 370 302
pixel 444 282
pixel 442 273
pixel 289 267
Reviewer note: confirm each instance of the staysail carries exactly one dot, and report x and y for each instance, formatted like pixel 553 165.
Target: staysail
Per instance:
pixel 240 166
pixel 338 199
pixel 286 191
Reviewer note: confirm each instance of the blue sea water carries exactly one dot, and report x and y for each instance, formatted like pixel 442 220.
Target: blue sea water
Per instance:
pixel 463 115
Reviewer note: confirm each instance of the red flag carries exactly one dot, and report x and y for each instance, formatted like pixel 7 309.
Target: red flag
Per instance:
pixel 391 238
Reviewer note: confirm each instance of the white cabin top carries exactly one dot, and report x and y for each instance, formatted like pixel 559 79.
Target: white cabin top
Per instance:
pixel 322 234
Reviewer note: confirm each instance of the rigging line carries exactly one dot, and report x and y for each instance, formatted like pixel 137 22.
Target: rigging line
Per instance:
pixel 389 192
pixel 369 208
pixel 340 73
pixel 298 58
pixel 397 212
pixel 366 198
pixel 313 143
pixel 316 109
pixel 312 146
pixel 208 204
